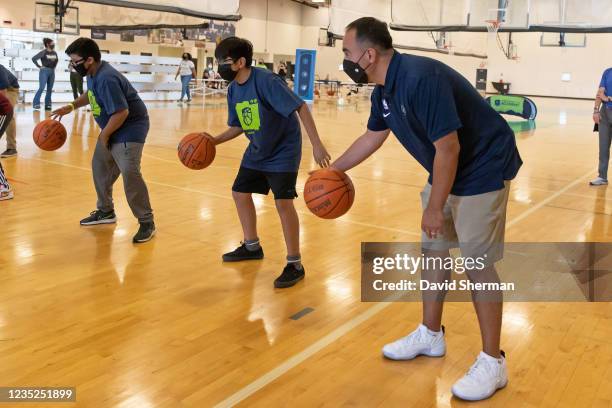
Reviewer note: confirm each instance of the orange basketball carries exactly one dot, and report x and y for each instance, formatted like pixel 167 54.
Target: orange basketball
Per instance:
pixel 196 150
pixel 49 135
pixel 329 193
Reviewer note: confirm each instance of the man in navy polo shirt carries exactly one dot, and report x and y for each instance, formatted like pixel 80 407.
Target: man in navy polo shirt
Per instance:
pixel 124 121
pixel 470 153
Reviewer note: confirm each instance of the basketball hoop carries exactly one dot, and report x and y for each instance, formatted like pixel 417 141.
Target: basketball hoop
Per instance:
pixel 493 26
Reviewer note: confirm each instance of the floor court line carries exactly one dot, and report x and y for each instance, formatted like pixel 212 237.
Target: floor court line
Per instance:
pixel 345 328
pixel 225 197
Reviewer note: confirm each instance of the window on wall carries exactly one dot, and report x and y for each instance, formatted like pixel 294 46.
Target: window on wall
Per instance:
pixel 23 39
pixel 146 54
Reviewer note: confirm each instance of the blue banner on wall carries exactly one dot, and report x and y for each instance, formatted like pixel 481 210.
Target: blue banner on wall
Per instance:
pixel 305 61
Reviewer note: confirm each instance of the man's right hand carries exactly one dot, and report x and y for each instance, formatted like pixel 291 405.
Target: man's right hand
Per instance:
pixel 59 113
pixel 596 117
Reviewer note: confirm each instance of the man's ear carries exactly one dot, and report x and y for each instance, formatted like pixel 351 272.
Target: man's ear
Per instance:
pixel 372 54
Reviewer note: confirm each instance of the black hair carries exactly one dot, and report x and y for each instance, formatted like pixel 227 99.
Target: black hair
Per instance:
pixel 188 55
pixel 369 29
pixel 235 48
pixel 84 48
pixel 47 41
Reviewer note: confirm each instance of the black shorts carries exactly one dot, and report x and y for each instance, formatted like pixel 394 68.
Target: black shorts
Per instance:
pixel 260 182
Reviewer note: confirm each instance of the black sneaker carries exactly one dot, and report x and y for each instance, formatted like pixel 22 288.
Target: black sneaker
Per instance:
pixel 48 108
pixel 145 232
pixel 243 254
pixel 100 217
pixel 9 153
pixel 36 107
pixel 290 276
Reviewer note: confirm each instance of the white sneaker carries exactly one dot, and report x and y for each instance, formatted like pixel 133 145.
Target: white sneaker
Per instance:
pixel 5 193
pixel 598 182
pixel 487 375
pixel 420 341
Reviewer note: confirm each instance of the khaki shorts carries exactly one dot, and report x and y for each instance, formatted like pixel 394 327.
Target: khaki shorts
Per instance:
pixel 475 224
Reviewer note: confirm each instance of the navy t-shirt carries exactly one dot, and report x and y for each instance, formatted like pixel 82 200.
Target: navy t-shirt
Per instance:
pixel 110 92
pixel 606 82
pixel 264 107
pixel 7 79
pixel 423 100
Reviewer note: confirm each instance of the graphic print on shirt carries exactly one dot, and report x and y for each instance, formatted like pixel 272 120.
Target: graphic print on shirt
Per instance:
pixel 95 108
pixel 248 114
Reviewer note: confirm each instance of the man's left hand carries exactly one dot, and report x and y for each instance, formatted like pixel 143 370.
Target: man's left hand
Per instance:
pixel 432 223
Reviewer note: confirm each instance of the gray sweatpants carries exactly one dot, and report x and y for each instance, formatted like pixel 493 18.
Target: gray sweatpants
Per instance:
pixel 124 159
pixel 605 135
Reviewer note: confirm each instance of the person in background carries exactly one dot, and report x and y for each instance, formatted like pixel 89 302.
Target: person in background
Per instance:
pixel 282 72
pixel 187 71
pixel 76 82
pixel 9 87
pixel 6 116
pixel 602 116
pixel 46 75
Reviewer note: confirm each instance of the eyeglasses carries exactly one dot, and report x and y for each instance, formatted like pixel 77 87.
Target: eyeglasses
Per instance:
pixel 75 63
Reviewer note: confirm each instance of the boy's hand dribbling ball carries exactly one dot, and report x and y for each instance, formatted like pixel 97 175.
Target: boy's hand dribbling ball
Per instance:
pixel 49 135
pixel 197 150
pixel 329 193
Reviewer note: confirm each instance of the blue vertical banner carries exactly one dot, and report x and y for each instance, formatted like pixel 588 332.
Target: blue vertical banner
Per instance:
pixel 305 73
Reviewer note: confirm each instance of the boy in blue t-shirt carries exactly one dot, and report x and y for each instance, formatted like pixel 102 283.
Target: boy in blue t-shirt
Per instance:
pixel 124 121
pixel 262 106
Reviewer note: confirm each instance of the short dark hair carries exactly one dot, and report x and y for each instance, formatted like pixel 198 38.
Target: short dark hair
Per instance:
pixel 85 48
pixel 47 41
pixel 235 48
pixel 369 29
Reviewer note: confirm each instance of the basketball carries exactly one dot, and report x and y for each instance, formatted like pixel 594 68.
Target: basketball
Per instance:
pixel 329 193
pixel 196 150
pixel 49 135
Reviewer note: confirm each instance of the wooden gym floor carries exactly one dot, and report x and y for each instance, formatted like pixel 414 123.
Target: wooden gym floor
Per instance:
pixel 166 324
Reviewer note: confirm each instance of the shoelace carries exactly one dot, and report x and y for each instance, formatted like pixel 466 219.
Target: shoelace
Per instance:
pixel 479 367
pixel 414 338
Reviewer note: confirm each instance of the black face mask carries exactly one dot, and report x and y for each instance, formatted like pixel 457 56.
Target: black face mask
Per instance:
pixel 80 69
pixel 354 70
pixel 52 47
pixel 226 72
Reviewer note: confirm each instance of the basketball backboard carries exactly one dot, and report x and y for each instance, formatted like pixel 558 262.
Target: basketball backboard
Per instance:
pixel 511 14
pixel 576 40
pixel 48 21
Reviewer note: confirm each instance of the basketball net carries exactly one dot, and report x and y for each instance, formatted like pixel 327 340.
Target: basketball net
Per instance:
pixel 493 28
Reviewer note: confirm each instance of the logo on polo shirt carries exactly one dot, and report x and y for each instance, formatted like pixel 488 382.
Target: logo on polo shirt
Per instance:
pixel 386 111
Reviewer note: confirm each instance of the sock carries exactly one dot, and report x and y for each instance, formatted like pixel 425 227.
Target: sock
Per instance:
pixel 296 261
pixel 252 244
